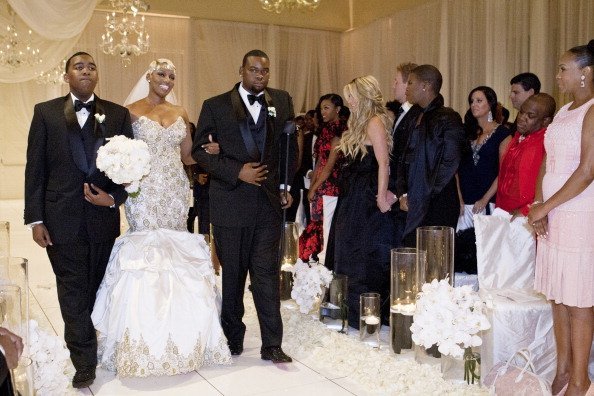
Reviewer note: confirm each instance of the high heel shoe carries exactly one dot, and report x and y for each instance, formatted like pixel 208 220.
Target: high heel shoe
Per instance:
pixel 563 390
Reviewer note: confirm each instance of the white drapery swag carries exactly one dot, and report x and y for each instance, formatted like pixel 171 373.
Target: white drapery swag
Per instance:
pixel 57 26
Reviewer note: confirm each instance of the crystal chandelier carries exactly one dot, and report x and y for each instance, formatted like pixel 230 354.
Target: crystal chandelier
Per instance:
pixel 279 5
pixel 125 22
pixel 54 76
pixel 17 51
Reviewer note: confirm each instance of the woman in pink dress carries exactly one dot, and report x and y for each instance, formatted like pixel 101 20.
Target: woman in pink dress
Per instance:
pixel 565 220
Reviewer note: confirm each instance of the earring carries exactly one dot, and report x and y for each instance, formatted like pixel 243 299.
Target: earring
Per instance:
pixel 583 82
pixel 490 117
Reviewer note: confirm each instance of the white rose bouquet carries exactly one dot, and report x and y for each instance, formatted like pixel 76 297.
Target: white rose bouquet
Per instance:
pixel 449 317
pixel 309 280
pixel 124 161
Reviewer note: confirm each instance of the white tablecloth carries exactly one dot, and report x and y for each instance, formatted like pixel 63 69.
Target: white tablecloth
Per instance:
pixel 519 319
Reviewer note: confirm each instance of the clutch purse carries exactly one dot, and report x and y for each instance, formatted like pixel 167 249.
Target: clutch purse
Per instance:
pixel 507 379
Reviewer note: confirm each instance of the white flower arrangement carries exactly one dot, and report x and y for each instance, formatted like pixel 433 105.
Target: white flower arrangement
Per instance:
pixel 450 317
pixel 272 111
pixel 51 362
pixel 99 118
pixel 309 281
pixel 124 160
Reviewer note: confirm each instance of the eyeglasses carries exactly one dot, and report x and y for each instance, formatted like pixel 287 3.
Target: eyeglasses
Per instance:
pixel 255 70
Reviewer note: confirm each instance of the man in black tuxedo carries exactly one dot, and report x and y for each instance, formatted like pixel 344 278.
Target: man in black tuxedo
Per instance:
pixel 71 206
pixel 405 118
pixel 249 123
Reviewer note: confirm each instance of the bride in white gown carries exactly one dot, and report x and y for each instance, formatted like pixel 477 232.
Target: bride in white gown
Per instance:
pixel 157 309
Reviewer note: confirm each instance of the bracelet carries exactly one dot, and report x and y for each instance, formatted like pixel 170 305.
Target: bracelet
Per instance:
pixel 403 196
pixel 535 203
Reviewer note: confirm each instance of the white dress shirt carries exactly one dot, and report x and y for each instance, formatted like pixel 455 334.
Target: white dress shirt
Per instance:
pixel 83 114
pixel 254 109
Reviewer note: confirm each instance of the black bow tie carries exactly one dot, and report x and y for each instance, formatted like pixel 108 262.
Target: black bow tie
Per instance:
pixel 254 98
pixel 78 105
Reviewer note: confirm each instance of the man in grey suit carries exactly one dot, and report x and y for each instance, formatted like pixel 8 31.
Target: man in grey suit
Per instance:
pixel 71 206
pixel 251 124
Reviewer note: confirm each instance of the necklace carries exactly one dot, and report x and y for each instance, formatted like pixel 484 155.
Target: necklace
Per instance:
pixel 476 146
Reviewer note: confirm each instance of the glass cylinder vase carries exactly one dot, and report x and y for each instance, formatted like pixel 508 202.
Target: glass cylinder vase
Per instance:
pixel 334 309
pixel 4 239
pixel 290 243
pixel 404 285
pixel 438 244
pixel 369 318
pixel 286 284
pixel 10 308
pixel 465 369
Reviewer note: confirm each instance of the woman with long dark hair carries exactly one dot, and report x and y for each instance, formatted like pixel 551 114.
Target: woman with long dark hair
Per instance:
pixel 324 189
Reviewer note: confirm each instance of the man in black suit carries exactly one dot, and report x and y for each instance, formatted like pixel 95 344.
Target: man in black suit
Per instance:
pixel 71 206
pixel 404 120
pixel 249 123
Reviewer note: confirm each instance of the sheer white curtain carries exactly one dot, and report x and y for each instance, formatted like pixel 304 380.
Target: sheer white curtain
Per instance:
pixel 303 62
pixel 472 42
pixel 57 25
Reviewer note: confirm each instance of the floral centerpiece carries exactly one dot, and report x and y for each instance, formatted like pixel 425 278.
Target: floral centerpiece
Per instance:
pixel 124 161
pixel 309 281
pixel 51 362
pixel 451 318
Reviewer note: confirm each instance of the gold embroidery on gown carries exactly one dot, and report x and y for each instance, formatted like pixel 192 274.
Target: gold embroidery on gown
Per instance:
pixel 156 311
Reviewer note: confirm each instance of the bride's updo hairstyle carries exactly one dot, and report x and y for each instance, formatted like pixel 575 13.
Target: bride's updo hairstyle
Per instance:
pixel 161 63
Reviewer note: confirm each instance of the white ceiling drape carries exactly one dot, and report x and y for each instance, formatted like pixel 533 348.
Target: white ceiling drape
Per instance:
pixel 56 26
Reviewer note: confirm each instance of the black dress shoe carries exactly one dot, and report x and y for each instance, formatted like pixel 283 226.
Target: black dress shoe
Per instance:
pixel 83 378
pixel 275 354
pixel 236 348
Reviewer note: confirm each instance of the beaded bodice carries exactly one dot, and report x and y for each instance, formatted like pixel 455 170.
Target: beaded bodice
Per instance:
pixel 162 201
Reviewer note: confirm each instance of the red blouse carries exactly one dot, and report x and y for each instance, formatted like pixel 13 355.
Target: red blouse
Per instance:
pixel 518 172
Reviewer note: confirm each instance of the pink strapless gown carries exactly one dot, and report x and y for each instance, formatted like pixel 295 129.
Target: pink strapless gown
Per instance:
pixel 565 259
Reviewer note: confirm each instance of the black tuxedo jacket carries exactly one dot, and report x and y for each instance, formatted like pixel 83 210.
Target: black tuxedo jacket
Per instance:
pixel 233 202
pixel 400 137
pixel 57 168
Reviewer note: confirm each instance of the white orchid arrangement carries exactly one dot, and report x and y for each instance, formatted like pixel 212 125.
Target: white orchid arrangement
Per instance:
pixel 309 281
pixel 51 362
pixel 449 317
pixel 124 160
pixel 272 111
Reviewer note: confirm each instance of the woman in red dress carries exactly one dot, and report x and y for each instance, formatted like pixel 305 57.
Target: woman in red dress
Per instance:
pixel 323 191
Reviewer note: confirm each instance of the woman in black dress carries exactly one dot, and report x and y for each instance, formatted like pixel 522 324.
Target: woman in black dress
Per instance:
pixel 363 229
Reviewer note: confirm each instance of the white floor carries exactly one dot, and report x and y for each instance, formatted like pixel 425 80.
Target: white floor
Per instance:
pixel 248 375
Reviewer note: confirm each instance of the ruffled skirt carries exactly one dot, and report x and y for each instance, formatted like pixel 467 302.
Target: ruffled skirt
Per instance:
pixel 157 309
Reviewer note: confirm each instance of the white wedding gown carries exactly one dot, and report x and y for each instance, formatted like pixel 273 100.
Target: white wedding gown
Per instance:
pixel 157 309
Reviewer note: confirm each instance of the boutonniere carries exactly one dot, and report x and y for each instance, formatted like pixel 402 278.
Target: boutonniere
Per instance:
pixel 99 118
pixel 272 111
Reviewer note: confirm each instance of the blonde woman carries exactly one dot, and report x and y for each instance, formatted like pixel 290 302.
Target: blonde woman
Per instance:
pixel 364 230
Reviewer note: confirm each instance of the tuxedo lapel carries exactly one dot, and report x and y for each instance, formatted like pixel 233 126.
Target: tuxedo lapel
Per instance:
pixel 99 132
pixel 270 123
pixel 73 131
pixel 242 122
pixel 99 129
